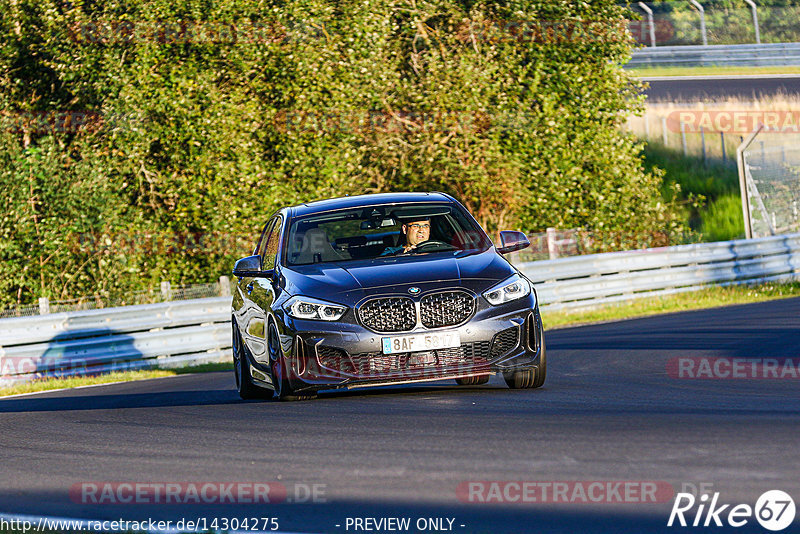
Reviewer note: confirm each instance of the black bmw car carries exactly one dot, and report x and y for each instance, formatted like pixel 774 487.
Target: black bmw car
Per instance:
pixel 381 289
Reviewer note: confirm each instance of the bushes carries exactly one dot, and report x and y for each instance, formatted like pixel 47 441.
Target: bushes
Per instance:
pixel 208 116
pixel 708 195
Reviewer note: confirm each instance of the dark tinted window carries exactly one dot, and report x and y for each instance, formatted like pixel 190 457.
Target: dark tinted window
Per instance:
pixel 367 233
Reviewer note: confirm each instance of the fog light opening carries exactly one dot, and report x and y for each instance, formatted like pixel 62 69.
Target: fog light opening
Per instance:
pixel 300 355
pixel 532 333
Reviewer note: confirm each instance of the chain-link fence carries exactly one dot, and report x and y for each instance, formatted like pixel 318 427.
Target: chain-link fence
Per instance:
pixel 163 293
pixel 769 174
pixel 714 22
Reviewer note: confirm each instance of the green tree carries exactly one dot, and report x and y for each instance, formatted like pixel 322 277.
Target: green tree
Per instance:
pixel 189 123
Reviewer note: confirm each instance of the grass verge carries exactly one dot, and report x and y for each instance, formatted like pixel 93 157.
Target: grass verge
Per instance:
pixel 46 384
pixel 691 300
pixel 711 71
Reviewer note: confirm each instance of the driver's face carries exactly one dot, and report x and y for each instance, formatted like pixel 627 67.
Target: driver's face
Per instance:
pixel 417 231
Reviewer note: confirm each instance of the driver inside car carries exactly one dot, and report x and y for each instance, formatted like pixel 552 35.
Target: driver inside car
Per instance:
pixel 415 232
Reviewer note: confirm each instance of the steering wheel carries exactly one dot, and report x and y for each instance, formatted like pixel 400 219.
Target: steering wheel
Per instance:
pixel 431 244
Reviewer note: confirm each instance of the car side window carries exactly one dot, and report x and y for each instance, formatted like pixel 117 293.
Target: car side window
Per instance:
pixel 262 240
pixel 270 252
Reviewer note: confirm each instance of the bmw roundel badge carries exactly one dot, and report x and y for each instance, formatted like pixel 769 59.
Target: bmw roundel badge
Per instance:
pixel 413 290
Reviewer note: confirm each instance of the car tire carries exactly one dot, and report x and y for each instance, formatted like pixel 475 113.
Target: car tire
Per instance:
pixel 277 364
pixel 529 378
pixel 541 370
pixel 241 368
pixel 472 380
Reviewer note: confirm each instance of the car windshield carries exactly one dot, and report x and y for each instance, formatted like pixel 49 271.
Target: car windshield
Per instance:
pixel 375 231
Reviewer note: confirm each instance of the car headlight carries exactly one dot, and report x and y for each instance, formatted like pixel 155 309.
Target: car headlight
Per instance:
pixel 315 309
pixel 512 288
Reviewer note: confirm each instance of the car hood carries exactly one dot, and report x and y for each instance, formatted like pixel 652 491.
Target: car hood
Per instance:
pixel 353 280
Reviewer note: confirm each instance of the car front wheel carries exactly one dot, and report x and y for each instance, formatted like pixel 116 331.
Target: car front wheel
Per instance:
pixel 241 368
pixel 529 378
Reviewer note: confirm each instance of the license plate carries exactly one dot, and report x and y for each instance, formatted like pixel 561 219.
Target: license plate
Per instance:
pixel 418 342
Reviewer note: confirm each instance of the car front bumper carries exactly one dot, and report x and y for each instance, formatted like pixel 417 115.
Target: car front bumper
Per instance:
pixel 321 355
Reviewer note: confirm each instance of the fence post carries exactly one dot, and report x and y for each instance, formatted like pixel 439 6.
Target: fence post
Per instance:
pixel 44 306
pixel 650 23
pixel 741 163
pixel 702 11
pixel 683 139
pixel 224 286
pixel 664 129
pixel 166 291
pixel 703 141
pixel 552 248
pixel 755 19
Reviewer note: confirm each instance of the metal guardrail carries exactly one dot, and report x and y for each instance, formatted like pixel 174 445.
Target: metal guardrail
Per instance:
pixel 169 334
pixel 588 281
pixel 771 54
pixel 197 331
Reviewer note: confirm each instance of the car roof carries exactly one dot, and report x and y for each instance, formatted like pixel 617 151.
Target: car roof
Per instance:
pixel 360 201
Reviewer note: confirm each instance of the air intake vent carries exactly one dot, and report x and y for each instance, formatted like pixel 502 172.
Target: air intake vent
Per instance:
pixel 389 314
pixel 447 308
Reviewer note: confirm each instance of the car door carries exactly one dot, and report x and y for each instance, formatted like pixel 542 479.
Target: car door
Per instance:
pixel 252 315
pixel 265 289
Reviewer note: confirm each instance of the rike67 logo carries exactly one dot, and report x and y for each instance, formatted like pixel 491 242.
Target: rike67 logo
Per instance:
pixel 774 510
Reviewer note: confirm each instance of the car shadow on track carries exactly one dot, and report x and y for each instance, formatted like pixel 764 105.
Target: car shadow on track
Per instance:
pixel 406 390
pixel 68 401
pixel 120 401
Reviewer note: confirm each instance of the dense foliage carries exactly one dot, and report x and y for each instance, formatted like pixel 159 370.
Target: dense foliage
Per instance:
pixel 149 140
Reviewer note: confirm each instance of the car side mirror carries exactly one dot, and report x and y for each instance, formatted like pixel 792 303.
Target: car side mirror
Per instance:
pixel 512 241
pixel 249 266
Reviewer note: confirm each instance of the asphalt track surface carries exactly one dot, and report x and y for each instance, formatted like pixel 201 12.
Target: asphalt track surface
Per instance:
pixel 609 411
pixel 691 89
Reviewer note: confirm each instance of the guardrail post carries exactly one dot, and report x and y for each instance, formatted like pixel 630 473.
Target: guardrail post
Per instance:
pixel 44 306
pixel 552 247
pixel 224 286
pixel 166 291
pixel 755 19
